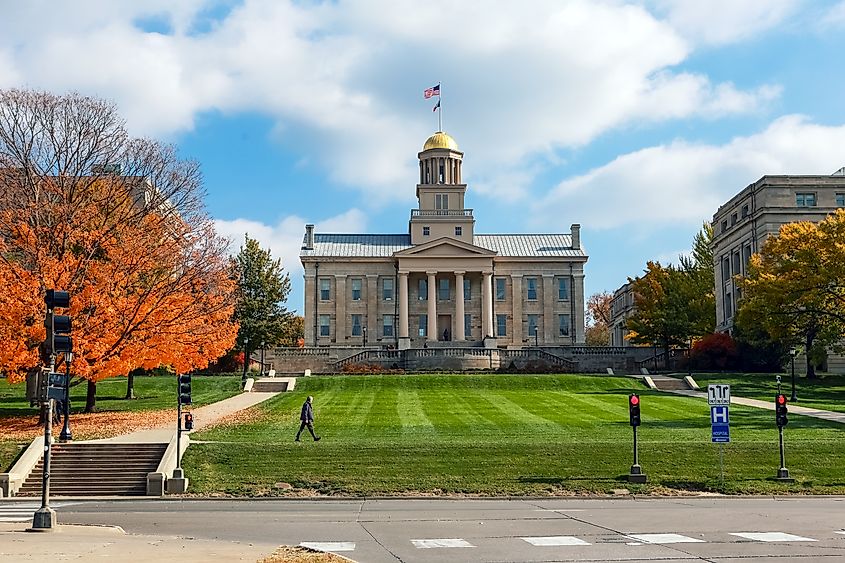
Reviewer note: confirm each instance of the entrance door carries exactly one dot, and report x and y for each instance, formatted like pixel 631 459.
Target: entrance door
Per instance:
pixel 444 327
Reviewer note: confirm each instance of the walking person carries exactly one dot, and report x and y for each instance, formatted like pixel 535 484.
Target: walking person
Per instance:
pixel 307 418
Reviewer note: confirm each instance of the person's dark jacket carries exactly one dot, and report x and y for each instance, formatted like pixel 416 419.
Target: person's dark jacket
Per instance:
pixel 307 414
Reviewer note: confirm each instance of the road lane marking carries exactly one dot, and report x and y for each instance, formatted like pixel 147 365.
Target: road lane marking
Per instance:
pixel 544 541
pixel 329 545
pixel 664 538
pixel 771 536
pixel 443 542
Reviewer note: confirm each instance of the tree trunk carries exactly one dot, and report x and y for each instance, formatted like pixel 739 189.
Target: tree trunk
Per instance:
pixel 91 397
pixel 130 385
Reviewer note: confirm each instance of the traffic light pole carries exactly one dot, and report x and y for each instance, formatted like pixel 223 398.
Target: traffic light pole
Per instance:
pixel 44 518
pixel 783 472
pixel 636 475
pixel 178 429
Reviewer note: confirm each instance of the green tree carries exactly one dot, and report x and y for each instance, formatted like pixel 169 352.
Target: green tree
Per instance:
pixel 795 287
pixel 598 319
pixel 263 289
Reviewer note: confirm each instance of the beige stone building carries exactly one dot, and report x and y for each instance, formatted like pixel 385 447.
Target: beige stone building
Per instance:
pixel 441 281
pixel 621 308
pixel 742 225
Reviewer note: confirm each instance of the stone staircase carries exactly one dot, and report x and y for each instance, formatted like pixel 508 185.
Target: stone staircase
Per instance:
pixel 669 383
pixel 273 385
pixel 96 469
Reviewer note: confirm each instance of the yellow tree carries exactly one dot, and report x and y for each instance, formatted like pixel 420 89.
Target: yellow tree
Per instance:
pixel 795 286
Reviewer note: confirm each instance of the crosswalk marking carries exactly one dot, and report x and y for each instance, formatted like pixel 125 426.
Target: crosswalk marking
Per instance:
pixel 771 536
pixel 443 542
pixel 840 532
pixel 548 541
pixel 20 512
pixel 332 546
pixel 664 538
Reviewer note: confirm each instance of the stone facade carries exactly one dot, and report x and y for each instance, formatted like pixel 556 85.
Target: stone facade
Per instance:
pixel 441 281
pixel 621 308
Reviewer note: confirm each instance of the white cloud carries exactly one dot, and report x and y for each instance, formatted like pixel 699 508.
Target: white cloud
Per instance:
pixel 684 183
pixel 718 22
pixel 835 17
pixel 343 80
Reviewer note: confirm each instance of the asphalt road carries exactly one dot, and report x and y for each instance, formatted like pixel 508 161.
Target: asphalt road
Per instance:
pixel 624 529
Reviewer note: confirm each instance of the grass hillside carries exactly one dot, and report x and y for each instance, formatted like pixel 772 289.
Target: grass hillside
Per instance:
pixel 501 435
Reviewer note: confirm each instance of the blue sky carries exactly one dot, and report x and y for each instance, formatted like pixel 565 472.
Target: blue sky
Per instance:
pixel 634 119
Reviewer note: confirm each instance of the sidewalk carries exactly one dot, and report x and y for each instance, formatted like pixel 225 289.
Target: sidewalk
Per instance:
pixel 87 543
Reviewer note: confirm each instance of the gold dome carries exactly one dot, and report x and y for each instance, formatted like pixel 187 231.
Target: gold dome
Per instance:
pixel 440 140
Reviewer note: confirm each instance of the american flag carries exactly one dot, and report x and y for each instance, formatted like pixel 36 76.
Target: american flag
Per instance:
pixel 433 91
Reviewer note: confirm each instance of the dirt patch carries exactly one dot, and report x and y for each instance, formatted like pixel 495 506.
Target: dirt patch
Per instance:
pixel 90 426
pixel 288 554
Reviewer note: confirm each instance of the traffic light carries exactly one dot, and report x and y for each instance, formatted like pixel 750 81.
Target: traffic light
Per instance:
pixel 189 421
pixel 58 326
pixel 780 410
pixel 185 389
pixel 634 409
pixel 57 299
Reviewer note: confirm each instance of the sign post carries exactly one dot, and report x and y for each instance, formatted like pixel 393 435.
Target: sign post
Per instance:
pixel 719 399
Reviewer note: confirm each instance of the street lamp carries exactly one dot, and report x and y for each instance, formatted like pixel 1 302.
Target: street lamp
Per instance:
pixel 792 352
pixel 246 360
pixel 262 357
pixel 364 330
pixel 536 338
pixel 66 435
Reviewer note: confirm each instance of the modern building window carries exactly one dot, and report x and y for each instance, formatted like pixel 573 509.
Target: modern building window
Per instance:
pixel 840 200
pixel 422 289
pixel 563 325
pixel 501 325
pixel 805 199
pixel 533 325
pixel 423 326
pixel 443 289
pixel 324 325
pixel 441 201
pixel 467 325
pixel 745 211
pixel 467 290
pixel 562 289
pixel 733 219
pixel 531 287
pixel 325 289
pixel 724 225
pixel 500 289
pixel 356 289
pixel 426 231
pixel 458 231
pixel 356 325
pixel 387 325
pixel 387 289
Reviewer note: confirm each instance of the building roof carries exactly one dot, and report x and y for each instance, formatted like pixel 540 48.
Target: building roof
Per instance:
pixel 383 246
pixel 440 140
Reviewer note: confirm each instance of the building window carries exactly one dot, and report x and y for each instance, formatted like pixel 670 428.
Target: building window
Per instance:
pixel 729 312
pixel 531 286
pixel 458 231
pixel 563 325
pixel 467 290
pixel 724 225
pixel 443 289
pixel 501 325
pixel 356 325
pixel 805 199
pixel 441 201
pixel 387 289
pixel 736 267
pixel 423 327
pixel 387 325
pixel 533 325
pixel 745 211
pixel 746 254
pixel 840 200
pixel 325 289
pixel 426 231
pixel 356 289
pixel 324 325
pixel 562 289
pixel 733 219
pixel 500 289
pixel 726 269
pixel 423 290
pixel 467 325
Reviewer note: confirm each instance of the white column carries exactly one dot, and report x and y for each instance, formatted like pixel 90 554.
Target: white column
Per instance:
pixel 487 305
pixel 403 305
pixel 432 306
pixel 458 333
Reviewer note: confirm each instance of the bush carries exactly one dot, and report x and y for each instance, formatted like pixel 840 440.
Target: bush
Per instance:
pixel 715 351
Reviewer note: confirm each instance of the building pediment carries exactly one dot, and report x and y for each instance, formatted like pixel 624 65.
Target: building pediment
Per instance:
pixel 445 247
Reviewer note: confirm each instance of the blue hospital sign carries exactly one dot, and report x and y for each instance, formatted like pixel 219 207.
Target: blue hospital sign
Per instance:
pixel 720 424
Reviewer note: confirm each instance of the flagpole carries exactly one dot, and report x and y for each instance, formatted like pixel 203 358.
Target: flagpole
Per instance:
pixel 440 102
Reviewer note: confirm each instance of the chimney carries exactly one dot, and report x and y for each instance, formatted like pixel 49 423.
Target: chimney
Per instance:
pixel 576 236
pixel 309 237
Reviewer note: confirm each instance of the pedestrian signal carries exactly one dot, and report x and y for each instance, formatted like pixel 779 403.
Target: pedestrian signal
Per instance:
pixel 781 410
pixel 185 389
pixel 634 409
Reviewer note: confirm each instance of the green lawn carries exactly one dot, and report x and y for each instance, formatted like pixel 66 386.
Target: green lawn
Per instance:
pixel 827 393
pixel 503 435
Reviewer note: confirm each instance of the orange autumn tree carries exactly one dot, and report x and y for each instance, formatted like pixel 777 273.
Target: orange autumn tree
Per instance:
pixel 117 222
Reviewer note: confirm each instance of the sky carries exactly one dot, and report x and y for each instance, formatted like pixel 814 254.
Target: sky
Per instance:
pixel 634 119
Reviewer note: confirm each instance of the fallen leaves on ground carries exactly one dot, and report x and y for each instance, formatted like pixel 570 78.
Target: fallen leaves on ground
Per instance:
pixel 238 417
pixel 90 426
pixel 288 554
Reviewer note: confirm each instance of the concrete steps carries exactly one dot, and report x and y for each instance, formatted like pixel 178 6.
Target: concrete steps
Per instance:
pixel 670 384
pixel 269 386
pixel 96 469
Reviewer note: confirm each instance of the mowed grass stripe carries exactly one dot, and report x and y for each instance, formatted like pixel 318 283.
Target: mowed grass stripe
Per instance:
pixel 409 410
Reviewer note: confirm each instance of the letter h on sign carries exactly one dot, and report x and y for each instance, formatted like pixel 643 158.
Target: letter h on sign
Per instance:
pixel 719 415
